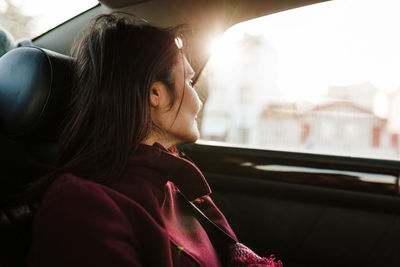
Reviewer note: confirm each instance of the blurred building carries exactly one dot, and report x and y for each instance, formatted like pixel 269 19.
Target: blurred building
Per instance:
pixel 238 89
pixel 340 125
pixel 362 95
pixel 245 106
pixel 394 112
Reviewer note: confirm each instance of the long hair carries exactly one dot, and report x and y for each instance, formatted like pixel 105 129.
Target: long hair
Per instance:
pixel 117 59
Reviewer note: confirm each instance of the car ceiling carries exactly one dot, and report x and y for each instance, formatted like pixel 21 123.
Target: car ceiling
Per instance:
pixel 206 19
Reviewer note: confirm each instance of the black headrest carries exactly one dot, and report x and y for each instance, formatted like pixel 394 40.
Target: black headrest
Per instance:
pixel 34 93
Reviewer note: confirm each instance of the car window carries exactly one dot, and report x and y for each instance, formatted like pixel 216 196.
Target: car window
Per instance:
pixel 322 78
pixel 26 19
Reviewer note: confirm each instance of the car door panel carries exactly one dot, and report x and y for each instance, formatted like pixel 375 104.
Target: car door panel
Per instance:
pixel 319 223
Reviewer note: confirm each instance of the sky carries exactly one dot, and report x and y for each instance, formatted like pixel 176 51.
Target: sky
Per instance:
pixel 49 13
pixel 335 43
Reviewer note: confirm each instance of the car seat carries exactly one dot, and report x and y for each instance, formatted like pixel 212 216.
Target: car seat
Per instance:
pixel 34 95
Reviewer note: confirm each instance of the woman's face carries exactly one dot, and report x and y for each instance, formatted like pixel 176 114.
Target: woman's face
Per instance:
pixel 179 122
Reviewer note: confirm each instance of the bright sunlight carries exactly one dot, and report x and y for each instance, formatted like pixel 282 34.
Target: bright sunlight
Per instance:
pixel 306 41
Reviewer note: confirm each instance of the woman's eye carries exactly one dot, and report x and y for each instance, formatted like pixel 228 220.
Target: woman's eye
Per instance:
pixel 191 82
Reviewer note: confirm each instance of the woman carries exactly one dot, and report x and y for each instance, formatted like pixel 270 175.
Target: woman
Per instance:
pixel 121 196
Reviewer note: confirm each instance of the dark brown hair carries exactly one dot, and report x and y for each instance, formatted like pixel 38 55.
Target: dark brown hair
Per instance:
pixel 117 60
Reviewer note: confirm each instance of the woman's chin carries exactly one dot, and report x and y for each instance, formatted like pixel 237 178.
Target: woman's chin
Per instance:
pixel 191 138
pixel 196 135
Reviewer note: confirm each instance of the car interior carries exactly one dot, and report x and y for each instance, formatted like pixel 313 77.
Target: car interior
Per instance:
pixel 306 209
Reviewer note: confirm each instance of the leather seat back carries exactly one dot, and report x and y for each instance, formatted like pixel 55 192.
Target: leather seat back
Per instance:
pixel 34 95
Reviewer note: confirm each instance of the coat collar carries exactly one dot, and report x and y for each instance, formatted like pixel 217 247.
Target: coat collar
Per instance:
pixel 170 167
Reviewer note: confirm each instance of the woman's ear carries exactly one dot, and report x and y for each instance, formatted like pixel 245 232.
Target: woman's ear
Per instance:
pixel 155 94
pixel 159 94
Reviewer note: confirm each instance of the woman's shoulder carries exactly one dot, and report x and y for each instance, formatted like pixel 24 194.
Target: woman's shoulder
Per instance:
pixel 68 186
pixel 69 192
pixel 74 195
pixel 71 180
pixel 78 203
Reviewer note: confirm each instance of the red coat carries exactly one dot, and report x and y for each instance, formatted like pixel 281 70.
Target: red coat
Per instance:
pixel 140 220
